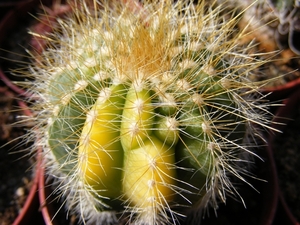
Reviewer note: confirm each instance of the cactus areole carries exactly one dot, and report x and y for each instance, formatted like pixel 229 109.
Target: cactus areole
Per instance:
pixel 145 107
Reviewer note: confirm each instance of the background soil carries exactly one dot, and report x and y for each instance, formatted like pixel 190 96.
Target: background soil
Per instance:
pixel 287 157
pixel 15 163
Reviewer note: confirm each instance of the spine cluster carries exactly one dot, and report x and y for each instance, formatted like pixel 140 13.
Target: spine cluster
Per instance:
pixel 145 107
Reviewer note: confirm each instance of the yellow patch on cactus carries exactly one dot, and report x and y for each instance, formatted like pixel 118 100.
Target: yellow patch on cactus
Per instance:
pixel 149 174
pixel 137 119
pixel 100 152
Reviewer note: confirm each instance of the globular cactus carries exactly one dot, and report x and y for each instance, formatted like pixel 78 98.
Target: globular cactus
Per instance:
pixel 145 109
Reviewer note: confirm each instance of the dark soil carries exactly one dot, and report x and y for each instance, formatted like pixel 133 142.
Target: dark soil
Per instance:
pixel 287 157
pixel 15 165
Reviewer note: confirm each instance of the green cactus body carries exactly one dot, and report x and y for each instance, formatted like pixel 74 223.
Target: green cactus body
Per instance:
pixel 69 102
pixel 194 146
pixel 144 99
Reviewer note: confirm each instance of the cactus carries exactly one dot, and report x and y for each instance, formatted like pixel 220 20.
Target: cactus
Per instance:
pixel 145 107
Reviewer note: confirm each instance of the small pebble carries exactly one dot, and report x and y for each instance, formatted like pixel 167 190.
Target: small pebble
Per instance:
pixel 20 192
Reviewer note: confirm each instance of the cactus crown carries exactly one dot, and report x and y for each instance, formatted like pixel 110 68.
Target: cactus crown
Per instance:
pixel 145 106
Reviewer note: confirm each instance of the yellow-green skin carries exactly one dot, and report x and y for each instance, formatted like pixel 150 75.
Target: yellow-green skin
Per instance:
pixel 149 174
pixel 148 171
pixel 100 154
pixel 137 119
